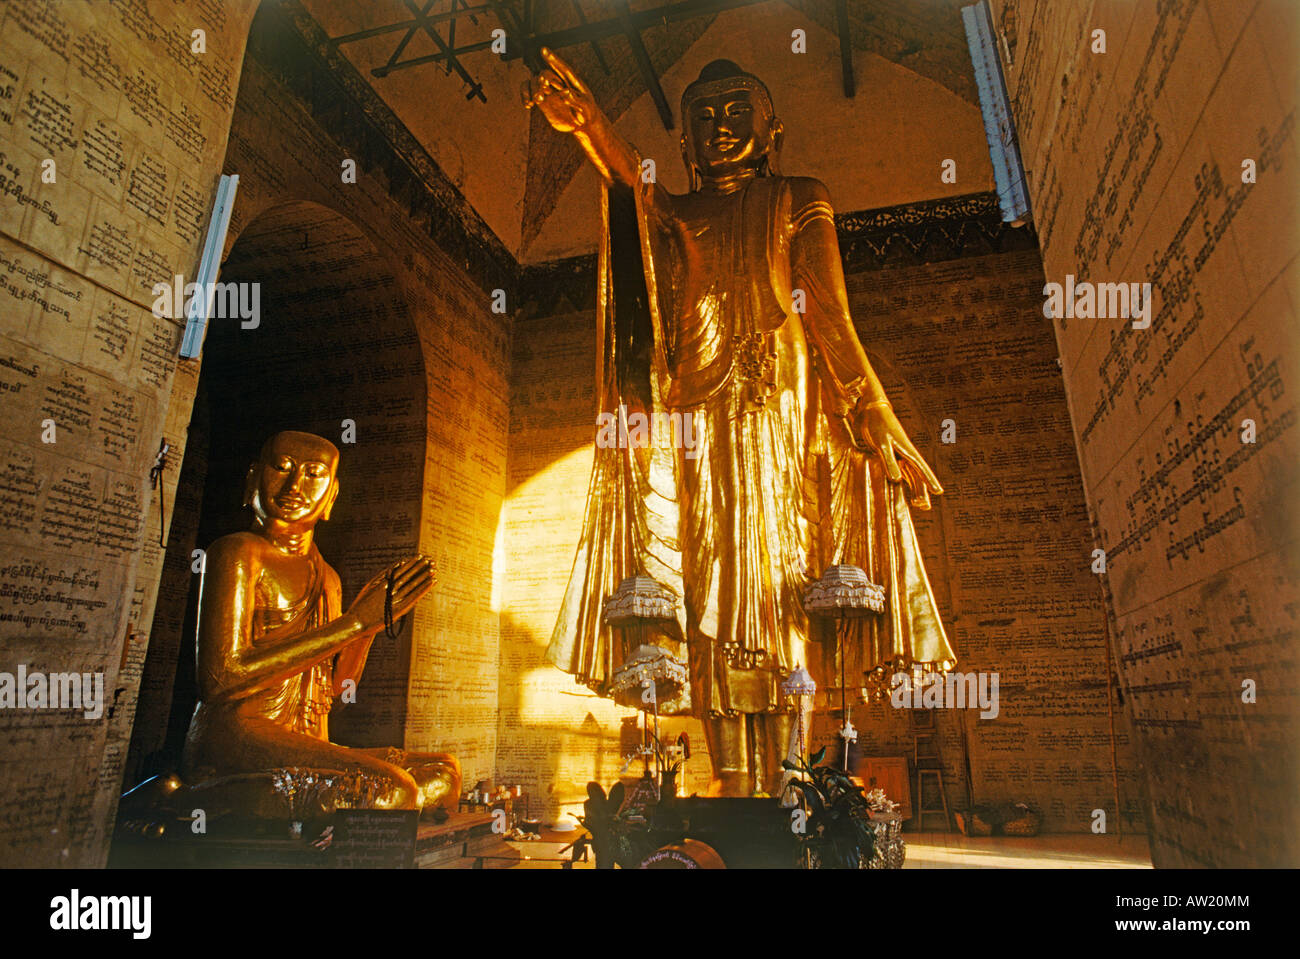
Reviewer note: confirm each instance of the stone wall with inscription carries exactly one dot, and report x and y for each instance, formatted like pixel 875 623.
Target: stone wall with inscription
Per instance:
pixel 946 301
pixel 371 312
pixel 1160 146
pixel 113 128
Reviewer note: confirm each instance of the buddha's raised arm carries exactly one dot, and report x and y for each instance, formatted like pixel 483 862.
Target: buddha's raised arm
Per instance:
pixel 570 107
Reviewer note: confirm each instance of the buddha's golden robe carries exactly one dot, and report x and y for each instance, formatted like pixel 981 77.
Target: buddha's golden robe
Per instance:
pixel 698 315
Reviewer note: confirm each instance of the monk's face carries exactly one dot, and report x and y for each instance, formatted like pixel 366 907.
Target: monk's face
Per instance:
pixel 295 479
pixel 728 131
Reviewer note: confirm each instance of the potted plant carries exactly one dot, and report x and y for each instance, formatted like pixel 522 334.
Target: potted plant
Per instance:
pixel 838 833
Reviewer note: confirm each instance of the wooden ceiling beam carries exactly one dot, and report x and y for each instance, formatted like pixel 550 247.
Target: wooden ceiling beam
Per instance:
pixel 475 88
pixel 641 20
pixel 523 35
pixel 595 46
pixel 846 47
pixel 643 62
pixel 406 25
pixel 433 58
pixel 401 45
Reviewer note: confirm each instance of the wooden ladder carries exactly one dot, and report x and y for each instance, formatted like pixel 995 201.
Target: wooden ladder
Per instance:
pixel 928 764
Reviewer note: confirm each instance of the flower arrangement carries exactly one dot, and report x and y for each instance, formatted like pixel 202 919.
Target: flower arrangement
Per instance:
pixel 878 802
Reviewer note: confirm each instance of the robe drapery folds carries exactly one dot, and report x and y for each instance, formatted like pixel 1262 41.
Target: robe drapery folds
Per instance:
pixel 301 703
pixel 750 484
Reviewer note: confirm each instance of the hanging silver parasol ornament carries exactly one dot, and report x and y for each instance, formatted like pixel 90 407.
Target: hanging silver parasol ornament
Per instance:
pixel 646 665
pixel 798 684
pixel 647 676
pixel 637 600
pixel 844 592
pixel 650 675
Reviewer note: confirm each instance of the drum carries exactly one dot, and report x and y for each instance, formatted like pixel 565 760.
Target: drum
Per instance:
pixel 687 854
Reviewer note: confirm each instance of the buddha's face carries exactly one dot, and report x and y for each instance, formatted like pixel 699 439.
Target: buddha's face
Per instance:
pixel 728 131
pixel 294 480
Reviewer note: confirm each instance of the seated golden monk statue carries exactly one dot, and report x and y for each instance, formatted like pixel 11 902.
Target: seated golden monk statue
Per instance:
pixel 275 648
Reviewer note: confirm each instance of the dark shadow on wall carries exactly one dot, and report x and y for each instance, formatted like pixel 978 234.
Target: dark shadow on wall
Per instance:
pixel 334 352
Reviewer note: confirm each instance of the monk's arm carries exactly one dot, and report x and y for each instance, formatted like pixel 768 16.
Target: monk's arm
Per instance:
pixel 352 658
pixel 229 666
pixel 818 271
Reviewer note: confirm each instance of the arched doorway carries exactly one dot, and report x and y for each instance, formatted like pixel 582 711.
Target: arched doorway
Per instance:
pixel 334 352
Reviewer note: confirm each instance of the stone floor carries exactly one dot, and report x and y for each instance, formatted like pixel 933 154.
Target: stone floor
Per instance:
pixel 939 850
pixel 943 850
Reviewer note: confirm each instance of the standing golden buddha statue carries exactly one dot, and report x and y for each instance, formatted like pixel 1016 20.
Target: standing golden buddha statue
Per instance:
pixel 726 308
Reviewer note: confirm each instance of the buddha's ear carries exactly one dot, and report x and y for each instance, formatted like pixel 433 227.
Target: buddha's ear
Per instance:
pixel 774 151
pixel 778 135
pixel 692 171
pixel 250 485
pixel 330 497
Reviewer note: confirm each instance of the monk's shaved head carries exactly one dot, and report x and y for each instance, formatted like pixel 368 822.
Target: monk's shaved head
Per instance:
pixel 295 480
pixel 301 446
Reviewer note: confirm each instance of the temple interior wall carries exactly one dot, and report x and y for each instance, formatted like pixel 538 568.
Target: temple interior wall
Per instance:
pixel 1135 160
pixel 135 124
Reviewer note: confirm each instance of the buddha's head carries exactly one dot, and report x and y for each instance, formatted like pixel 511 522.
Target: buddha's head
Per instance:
pixel 294 481
pixel 729 125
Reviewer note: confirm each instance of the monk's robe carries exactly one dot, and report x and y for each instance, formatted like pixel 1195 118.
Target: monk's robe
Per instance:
pixel 301 704
pixel 697 316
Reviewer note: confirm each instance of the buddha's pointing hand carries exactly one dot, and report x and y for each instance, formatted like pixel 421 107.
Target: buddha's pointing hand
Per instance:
pixel 879 427
pixel 412 578
pixel 562 97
